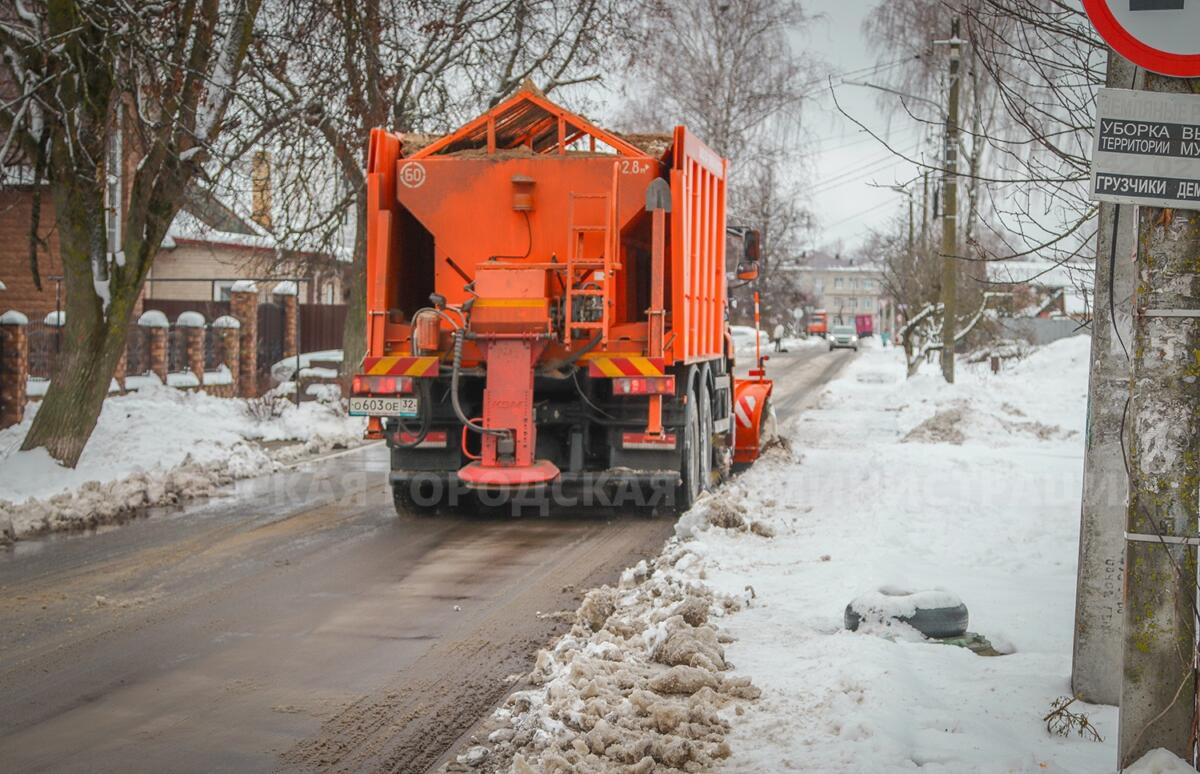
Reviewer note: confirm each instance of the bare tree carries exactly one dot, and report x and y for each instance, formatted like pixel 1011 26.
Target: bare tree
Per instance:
pixel 1032 68
pixel 333 70
pixel 729 71
pixel 116 106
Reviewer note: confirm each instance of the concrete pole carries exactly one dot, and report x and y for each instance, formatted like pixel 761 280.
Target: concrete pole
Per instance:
pixel 950 215
pixel 1096 659
pixel 1158 693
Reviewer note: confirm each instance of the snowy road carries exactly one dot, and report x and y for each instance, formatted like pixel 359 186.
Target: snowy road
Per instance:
pixel 299 624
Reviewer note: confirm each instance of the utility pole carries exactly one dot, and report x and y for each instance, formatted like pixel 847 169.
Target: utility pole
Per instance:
pixel 950 213
pixel 911 255
pixel 1099 618
pixel 1158 696
pixel 925 212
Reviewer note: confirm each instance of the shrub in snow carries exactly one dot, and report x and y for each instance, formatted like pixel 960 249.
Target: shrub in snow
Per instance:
pixel 190 320
pixel 153 318
pixel 1061 721
pixel 270 405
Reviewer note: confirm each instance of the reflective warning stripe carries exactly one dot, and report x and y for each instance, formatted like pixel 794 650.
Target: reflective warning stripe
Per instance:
pixel 612 366
pixel 745 410
pixel 401 365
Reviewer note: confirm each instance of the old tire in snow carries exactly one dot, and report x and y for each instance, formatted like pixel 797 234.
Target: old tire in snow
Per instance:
pixel 935 614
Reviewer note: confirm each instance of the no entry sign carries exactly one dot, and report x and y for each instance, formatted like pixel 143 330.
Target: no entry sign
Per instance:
pixel 1162 36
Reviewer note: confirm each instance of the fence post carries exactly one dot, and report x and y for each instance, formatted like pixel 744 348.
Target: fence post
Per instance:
pixel 14 367
pixel 156 326
pixel 193 335
pixel 243 302
pixel 228 331
pixel 289 295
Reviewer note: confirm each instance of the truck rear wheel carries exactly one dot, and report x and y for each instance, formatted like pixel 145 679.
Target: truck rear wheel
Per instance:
pixel 689 487
pixel 705 417
pixel 410 499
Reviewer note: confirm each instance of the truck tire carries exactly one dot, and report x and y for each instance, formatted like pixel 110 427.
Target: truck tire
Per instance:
pixel 408 505
pixel 723 452
pixel 704 405
pixel 689 487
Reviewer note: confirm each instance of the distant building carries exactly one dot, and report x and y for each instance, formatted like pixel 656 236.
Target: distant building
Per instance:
pixel 844 288
pixel 210 246
pixel 214 241
pixel 1047 301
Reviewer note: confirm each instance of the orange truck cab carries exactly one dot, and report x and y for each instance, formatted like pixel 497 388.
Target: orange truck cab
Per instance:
pixel 546 310
pixel 818 323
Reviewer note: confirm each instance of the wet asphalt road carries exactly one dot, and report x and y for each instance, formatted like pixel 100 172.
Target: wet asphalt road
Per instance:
pixel 297 624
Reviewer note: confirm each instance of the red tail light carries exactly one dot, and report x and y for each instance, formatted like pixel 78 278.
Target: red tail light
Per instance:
pixel 644 385
pixel 362 384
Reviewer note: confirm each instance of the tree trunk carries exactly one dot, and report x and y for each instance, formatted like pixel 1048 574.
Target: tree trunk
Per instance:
pixel 1159 691
pixel 93 338
pixel 354 335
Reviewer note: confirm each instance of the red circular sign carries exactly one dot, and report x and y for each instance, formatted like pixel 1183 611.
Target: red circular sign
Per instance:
pixel 1140 50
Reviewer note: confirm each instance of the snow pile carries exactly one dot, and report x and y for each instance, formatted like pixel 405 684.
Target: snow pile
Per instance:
pixel 157 446
pixel 983 503
pixel 285 370
pixel 640 683
pixel 1160 761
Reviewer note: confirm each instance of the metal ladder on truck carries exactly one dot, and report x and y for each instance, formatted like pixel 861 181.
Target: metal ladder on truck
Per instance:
pixel 579 265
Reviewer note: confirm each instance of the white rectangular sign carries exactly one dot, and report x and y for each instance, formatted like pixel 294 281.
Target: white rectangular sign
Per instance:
pixel 1146 149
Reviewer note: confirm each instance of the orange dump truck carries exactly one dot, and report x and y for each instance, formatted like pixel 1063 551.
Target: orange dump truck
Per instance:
pixel 546 312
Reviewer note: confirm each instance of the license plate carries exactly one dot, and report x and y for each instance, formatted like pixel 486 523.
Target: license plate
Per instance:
pixel 384 407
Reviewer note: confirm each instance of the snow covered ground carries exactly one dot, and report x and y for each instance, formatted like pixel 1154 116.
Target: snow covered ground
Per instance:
pixel 970 490
pixel 973 489
pixel 157 446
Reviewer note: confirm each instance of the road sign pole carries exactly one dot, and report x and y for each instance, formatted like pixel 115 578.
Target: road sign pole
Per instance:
pixel 1158 695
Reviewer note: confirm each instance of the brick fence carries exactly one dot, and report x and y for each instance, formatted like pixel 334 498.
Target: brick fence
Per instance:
pixel 219 357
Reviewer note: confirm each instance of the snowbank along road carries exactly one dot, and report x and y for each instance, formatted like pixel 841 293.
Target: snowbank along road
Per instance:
pixel 298 624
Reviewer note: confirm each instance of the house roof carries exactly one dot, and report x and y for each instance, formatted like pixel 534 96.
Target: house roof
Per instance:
pixel 1073 280
pixel 818 260
pixel 207 219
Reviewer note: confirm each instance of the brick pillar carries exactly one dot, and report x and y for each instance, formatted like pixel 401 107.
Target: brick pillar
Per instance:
pixel 287 293
pixel 156 326
pixel 192 324
pixel 243 302
pixel 14 367
pixel 291 324
pixel 228 331
pixel 156 342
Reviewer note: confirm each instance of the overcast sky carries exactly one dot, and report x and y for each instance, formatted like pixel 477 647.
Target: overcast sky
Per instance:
pixel 846 160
